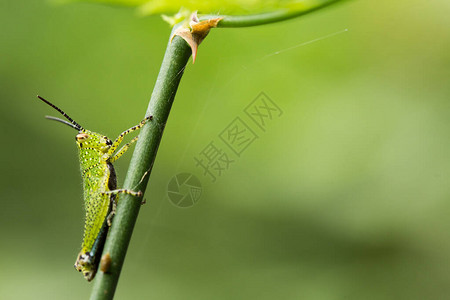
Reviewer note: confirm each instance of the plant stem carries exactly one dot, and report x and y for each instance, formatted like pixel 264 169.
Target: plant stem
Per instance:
pixel 175 59
pixel 269 17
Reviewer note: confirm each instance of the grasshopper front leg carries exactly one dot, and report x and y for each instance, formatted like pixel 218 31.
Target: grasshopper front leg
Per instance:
pixel 119 140
pixel 122 150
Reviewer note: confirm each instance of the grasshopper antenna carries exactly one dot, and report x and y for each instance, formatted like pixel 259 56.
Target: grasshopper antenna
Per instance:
pixel 62 121
pixel 72 123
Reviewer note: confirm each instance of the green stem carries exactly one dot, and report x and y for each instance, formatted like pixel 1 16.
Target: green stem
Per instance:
pixel 175 59
pixel 270 17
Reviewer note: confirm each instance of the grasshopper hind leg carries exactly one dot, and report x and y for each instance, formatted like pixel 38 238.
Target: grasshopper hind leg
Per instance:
pixel 114 194
pixel 123 191
pixel 112 213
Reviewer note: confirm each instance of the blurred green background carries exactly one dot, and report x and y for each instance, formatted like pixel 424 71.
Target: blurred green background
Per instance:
pixel 345 196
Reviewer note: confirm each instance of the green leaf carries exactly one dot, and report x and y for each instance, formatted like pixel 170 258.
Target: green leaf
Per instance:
pixel 210 7
pixel 222 7
pixel 109 2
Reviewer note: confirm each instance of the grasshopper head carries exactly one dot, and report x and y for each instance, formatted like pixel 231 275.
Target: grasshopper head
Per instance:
pixel 84 264
pixel 89 139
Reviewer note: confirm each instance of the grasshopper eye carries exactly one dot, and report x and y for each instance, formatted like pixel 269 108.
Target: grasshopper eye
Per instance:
pixel 108 142
pixel 81 137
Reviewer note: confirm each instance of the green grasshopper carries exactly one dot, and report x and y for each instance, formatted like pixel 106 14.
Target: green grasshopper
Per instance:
pixel 96 153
